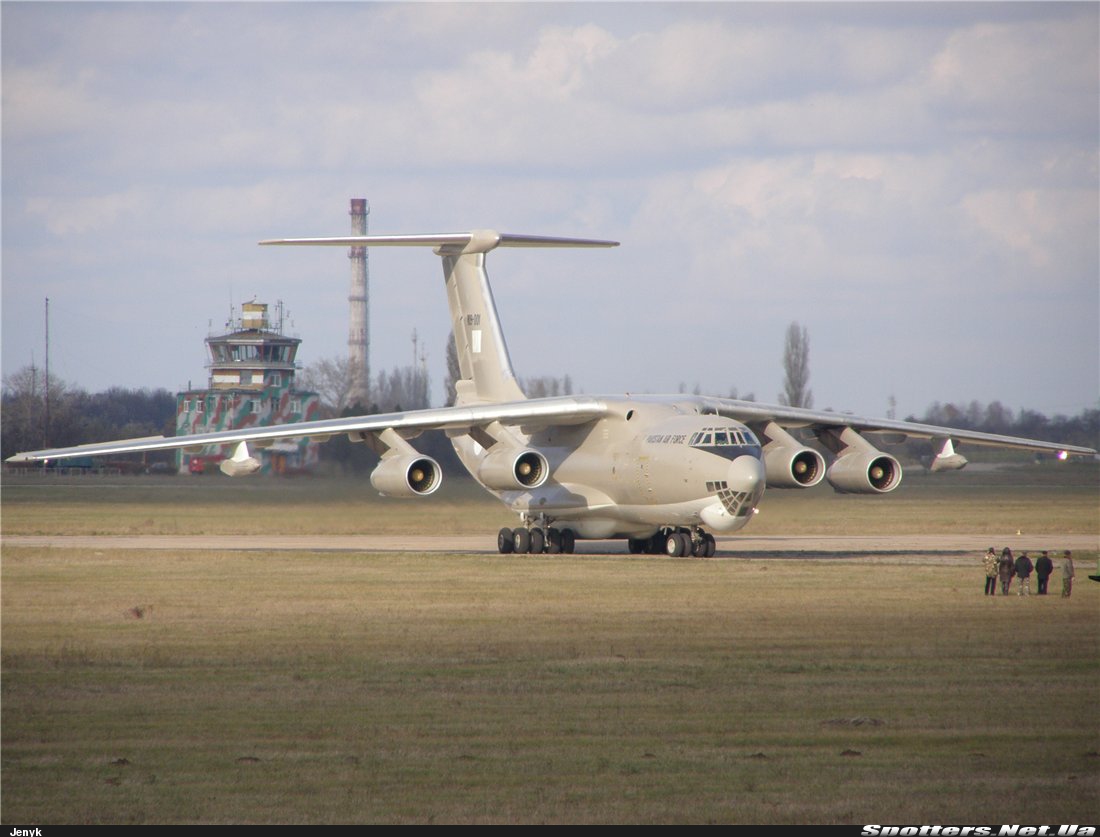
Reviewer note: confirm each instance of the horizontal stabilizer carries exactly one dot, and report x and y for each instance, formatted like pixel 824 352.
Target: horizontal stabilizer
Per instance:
pixel 477 241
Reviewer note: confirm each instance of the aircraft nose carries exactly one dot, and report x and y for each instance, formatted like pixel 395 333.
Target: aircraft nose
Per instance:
pixel 744 488
pixel 746 475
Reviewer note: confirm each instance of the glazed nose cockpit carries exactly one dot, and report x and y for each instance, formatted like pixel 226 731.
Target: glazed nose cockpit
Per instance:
pixel 737 495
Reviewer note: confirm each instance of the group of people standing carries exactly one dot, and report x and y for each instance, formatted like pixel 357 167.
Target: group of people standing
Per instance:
pixel 1004 567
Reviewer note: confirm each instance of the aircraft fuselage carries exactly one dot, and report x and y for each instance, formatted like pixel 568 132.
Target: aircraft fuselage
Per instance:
pixel 644 467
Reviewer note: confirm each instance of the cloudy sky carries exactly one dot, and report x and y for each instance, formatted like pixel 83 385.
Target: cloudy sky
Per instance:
pixel 916 184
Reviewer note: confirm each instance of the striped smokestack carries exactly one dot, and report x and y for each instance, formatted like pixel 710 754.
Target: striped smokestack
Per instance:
pixel 359 304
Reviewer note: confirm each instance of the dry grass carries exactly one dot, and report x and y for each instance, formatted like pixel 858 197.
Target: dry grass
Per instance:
pixel 414 688
pixel 1055 498
pixel 325 687
pixel 215 505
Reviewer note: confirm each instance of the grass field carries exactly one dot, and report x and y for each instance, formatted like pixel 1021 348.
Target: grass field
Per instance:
pixel 1055 498
pixel 309 687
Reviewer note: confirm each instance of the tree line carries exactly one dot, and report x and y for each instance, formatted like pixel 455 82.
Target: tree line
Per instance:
pixel 77 417
pixel 1082 429
pixel 38 416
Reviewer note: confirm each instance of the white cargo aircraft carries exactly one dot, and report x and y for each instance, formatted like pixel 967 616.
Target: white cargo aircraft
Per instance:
pixel 663 472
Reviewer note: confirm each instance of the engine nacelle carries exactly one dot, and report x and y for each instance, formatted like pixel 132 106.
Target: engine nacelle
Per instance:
pixel 510 469
pixel 787 462
pixel 409 475
pixel 864 472
pixel 793 467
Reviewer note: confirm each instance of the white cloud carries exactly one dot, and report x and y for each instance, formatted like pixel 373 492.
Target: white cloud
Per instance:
pixel 44 102
pixel 1035 78
pixel 1042 225
pixel 862 168
pixel 82 215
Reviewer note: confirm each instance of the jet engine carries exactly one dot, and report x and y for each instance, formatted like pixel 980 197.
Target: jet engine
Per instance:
pixel 788 463
pixel 859 467
pixel 510 469
pixel 864 472
pixel 408 475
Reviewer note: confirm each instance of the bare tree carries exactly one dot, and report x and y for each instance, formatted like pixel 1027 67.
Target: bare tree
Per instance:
pixel 24 426
pixel 546 386
pixel 454 373
pixel 402 388
pixel 536 386
pixel 796 368
pixel 749 396
pixel 333 379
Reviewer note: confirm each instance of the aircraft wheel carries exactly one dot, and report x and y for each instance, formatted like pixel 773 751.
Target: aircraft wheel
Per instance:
pixel 711 545
pixel 521 541
pixel 637 546
pixel 553 541
pixel 674 546
pixel 538 542
pixel 568 541
pixel 505 542
pixel 699 548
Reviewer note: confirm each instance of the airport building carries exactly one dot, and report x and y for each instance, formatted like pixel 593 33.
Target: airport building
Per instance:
pixel 252 367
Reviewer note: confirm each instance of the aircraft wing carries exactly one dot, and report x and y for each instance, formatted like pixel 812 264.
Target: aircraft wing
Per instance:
pixel 534 412
pixel 752 413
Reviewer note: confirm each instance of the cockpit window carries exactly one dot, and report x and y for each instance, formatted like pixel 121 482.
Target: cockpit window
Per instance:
pixel 722 437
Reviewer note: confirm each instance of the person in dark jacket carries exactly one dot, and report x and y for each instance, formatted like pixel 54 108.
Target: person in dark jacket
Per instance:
pixel 1023 572
pixel 1043 568
pixel 1006 568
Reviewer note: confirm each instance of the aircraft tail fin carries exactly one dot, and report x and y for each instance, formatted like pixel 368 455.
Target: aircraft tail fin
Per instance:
pixel 483 360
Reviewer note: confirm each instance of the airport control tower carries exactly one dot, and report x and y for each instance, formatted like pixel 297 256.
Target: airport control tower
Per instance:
pixel 252 366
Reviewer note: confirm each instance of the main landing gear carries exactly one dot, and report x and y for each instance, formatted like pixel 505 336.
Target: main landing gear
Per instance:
pixel 536 540
pixel 675 543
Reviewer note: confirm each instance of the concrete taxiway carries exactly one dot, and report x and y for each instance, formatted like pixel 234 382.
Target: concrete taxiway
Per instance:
pixel 768 546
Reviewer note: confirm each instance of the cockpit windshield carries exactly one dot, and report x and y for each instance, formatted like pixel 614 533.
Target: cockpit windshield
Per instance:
pixel 710 437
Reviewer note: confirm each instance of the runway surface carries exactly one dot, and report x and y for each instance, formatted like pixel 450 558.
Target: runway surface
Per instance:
pixel 953 547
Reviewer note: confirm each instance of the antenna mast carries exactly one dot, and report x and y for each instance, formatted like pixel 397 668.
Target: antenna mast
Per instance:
pixel 46 424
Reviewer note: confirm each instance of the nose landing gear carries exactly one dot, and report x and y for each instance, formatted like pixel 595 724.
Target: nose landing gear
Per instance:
pixel 675 543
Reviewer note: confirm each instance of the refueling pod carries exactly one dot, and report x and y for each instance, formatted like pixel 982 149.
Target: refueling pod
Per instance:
pixel 241 463
pixel 947 459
